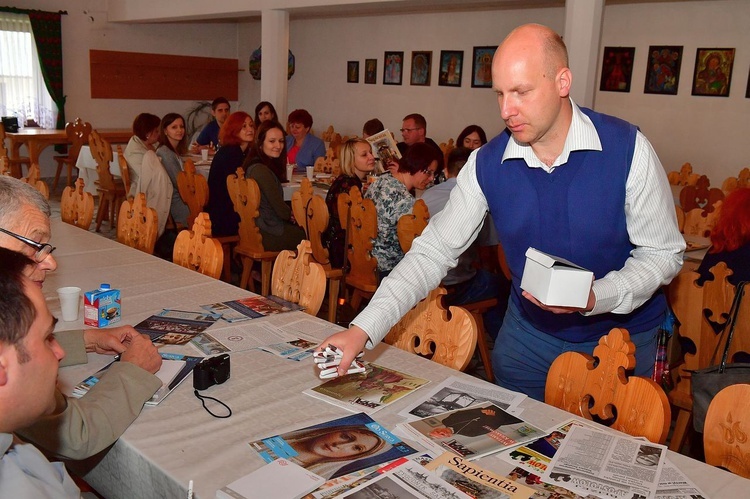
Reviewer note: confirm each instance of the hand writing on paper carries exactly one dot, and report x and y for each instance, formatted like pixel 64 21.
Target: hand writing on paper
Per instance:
pixel 350 342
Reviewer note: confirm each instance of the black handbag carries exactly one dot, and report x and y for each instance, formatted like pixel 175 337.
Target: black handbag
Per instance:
pixel 710 381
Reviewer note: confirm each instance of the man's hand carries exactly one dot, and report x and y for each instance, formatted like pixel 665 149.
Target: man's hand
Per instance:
pixel 392 167
pixel 562 310
pixel 141 352
pixel 108 341
pixel 350 342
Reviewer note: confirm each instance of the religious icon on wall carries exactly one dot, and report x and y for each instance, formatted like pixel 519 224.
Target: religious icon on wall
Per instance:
pixel 371 71
pixel 617 69
pixel 393 65
pixel 421 68
pixel 352 72
pixel 713 72
pixel 663 69
pixel 451 68
pixel 481 67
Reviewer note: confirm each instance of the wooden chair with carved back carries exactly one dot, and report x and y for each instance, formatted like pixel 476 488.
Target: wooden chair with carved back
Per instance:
pixel 698 221
pixel 408 228
pixel 701 313
pixel 328 164
pixel 77 132
pixel 446 336
pixel 124 170
pixel 4 165
pixel 195 249
pixel 77 206
pixel 34 179
pixel 299 279
pixel 137 224
pixel 733 183
pixel 447 147
pixel 700 195
pixel 361 229
pixel 14 164
pixel 683 177
pixel 111 191
pixel 725 438
pixel 311 212
pixel 245 196
pixel 631 404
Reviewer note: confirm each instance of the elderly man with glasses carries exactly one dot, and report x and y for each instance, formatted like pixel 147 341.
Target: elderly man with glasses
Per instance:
pixel 78 428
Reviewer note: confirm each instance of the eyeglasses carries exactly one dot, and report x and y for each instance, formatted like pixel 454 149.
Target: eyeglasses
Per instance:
pixel 429 172
pixel 42 249
pixel 410 129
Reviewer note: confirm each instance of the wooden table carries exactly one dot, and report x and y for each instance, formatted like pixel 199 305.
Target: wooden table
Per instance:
pixel 177 441
pixel 37 139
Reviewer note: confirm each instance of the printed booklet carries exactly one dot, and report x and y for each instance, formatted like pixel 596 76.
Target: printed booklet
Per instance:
pixel 472 432
pixel 280 478
pixel 335 448
pixel 252 307
pixel 369 391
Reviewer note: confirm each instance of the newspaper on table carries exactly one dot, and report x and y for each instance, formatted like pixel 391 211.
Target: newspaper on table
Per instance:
pixel 590 461
pixel 543 490
pixel 476 481
pixel 673 484
pixel 254 334
pixel 407 480
pixel 458 393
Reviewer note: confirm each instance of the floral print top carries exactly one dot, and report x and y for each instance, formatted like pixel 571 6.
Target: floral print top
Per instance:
pixel 392 200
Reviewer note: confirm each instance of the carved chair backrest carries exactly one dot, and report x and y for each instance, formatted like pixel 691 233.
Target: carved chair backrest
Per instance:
pixel 101 151
pixel 78 132
pixel 741 180
pixel 77 205
pixel 727 426
pixel 34 179
pixel 124 171
pixel 700 221
pixel 412 224
pixel 196 250
pixel 193 189
pixel 245 196
pixel 311 212
pixel 362 228
pixel 684 177
pixel 137 224
pixel 298 279
pixel 700 195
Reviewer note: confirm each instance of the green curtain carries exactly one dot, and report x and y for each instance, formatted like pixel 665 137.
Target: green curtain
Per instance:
pixel 48 39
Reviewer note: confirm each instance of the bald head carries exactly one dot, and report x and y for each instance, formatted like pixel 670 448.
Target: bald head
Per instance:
pixel 541 40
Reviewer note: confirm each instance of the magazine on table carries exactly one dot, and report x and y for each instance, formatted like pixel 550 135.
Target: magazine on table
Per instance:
pixel 458 393
pixel 175 327
pixel 542 489
pixel 280 478
pixel 472 432
pixel 298 349
pixel 406 480
pixel 335 448
pixel 476 481
pixel 174 369
pixel 369 391
pixel 591 461
pixel 252 307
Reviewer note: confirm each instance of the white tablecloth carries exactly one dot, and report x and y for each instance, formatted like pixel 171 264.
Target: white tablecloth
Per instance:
pixel 177 441
pixel 87 168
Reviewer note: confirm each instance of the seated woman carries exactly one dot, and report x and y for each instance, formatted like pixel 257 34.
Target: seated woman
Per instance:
pixel 392 197
pixel 267 166
pixel 472 137
pixel 264 111
pixel 730 239
pixel 357 161
pixel 302 147
pixel 147 174
pixel 174 145
pixel 236 135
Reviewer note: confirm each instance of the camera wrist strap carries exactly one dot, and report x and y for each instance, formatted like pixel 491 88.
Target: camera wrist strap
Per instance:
pixel 203 401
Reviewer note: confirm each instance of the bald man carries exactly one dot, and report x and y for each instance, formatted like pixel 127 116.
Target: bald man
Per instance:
pixel 568 181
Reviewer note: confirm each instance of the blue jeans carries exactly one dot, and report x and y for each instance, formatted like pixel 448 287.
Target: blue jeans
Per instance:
pixel 523 355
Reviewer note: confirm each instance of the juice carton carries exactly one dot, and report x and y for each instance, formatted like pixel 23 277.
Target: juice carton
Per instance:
pixel 101 307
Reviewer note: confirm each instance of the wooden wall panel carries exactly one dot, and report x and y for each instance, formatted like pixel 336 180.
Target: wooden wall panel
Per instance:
pixel 133 75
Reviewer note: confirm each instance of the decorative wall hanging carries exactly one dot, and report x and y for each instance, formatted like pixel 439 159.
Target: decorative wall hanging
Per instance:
pixel 481 67
pixel 255 63
pixel 352 72
pixel 371 71
pixel 617 69
pixel 451 68
pixel 663 69
pixel 421 68
pixel 393 66
pixel 713 72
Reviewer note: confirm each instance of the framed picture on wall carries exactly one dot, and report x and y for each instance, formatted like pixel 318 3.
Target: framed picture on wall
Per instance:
pixel 451 68
pixel 421 68
pixel 663 69
pixel 481 67
pixel 371 71
pixel 617 69
pixel 713 72
pixel 747 92
pixel 352 72
pixel 393 65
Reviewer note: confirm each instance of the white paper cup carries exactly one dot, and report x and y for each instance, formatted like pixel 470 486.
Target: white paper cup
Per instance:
pixel 289 172
pixel 310 171
pixel 204 154
pixel 70 297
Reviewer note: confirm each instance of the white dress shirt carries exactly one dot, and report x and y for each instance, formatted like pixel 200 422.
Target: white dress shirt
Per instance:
pixel 649 214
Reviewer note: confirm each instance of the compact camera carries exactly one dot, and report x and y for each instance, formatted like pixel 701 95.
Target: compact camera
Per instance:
pixel 210 372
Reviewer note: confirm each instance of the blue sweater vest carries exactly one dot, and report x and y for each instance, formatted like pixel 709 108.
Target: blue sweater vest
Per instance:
pixel 577 213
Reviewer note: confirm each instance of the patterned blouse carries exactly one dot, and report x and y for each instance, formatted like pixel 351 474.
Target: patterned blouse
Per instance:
pixel 392 200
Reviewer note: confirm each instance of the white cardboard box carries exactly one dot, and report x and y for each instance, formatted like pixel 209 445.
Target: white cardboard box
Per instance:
pixel 555 281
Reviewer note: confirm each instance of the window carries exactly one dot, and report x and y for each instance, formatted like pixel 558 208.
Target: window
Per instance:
pixel 23 93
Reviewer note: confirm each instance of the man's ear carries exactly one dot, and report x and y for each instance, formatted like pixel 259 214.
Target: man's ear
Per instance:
pixel 5 352
pixel 564 82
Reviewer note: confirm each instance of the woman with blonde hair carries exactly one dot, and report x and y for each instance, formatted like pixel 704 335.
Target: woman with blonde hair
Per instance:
pixel 357 161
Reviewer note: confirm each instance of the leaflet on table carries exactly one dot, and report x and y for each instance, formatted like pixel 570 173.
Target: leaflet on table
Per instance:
pixel 542 489
pixel 319 448
pixel 406 480
pixel 536 456
pixel 251 307
pixel 369 391
pixel 472 432
pixel 457 393
pixel 174 369
pixel 254 334
pixel 280 478
pixel 673 484
pixel 298 349
pixel 475 480
pixel 175 327
pixel 591 461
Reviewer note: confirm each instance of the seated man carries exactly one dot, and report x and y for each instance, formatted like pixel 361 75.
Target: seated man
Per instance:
pixel 29 356
pixel 414 130
pixel 78 428
pixel 209 136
